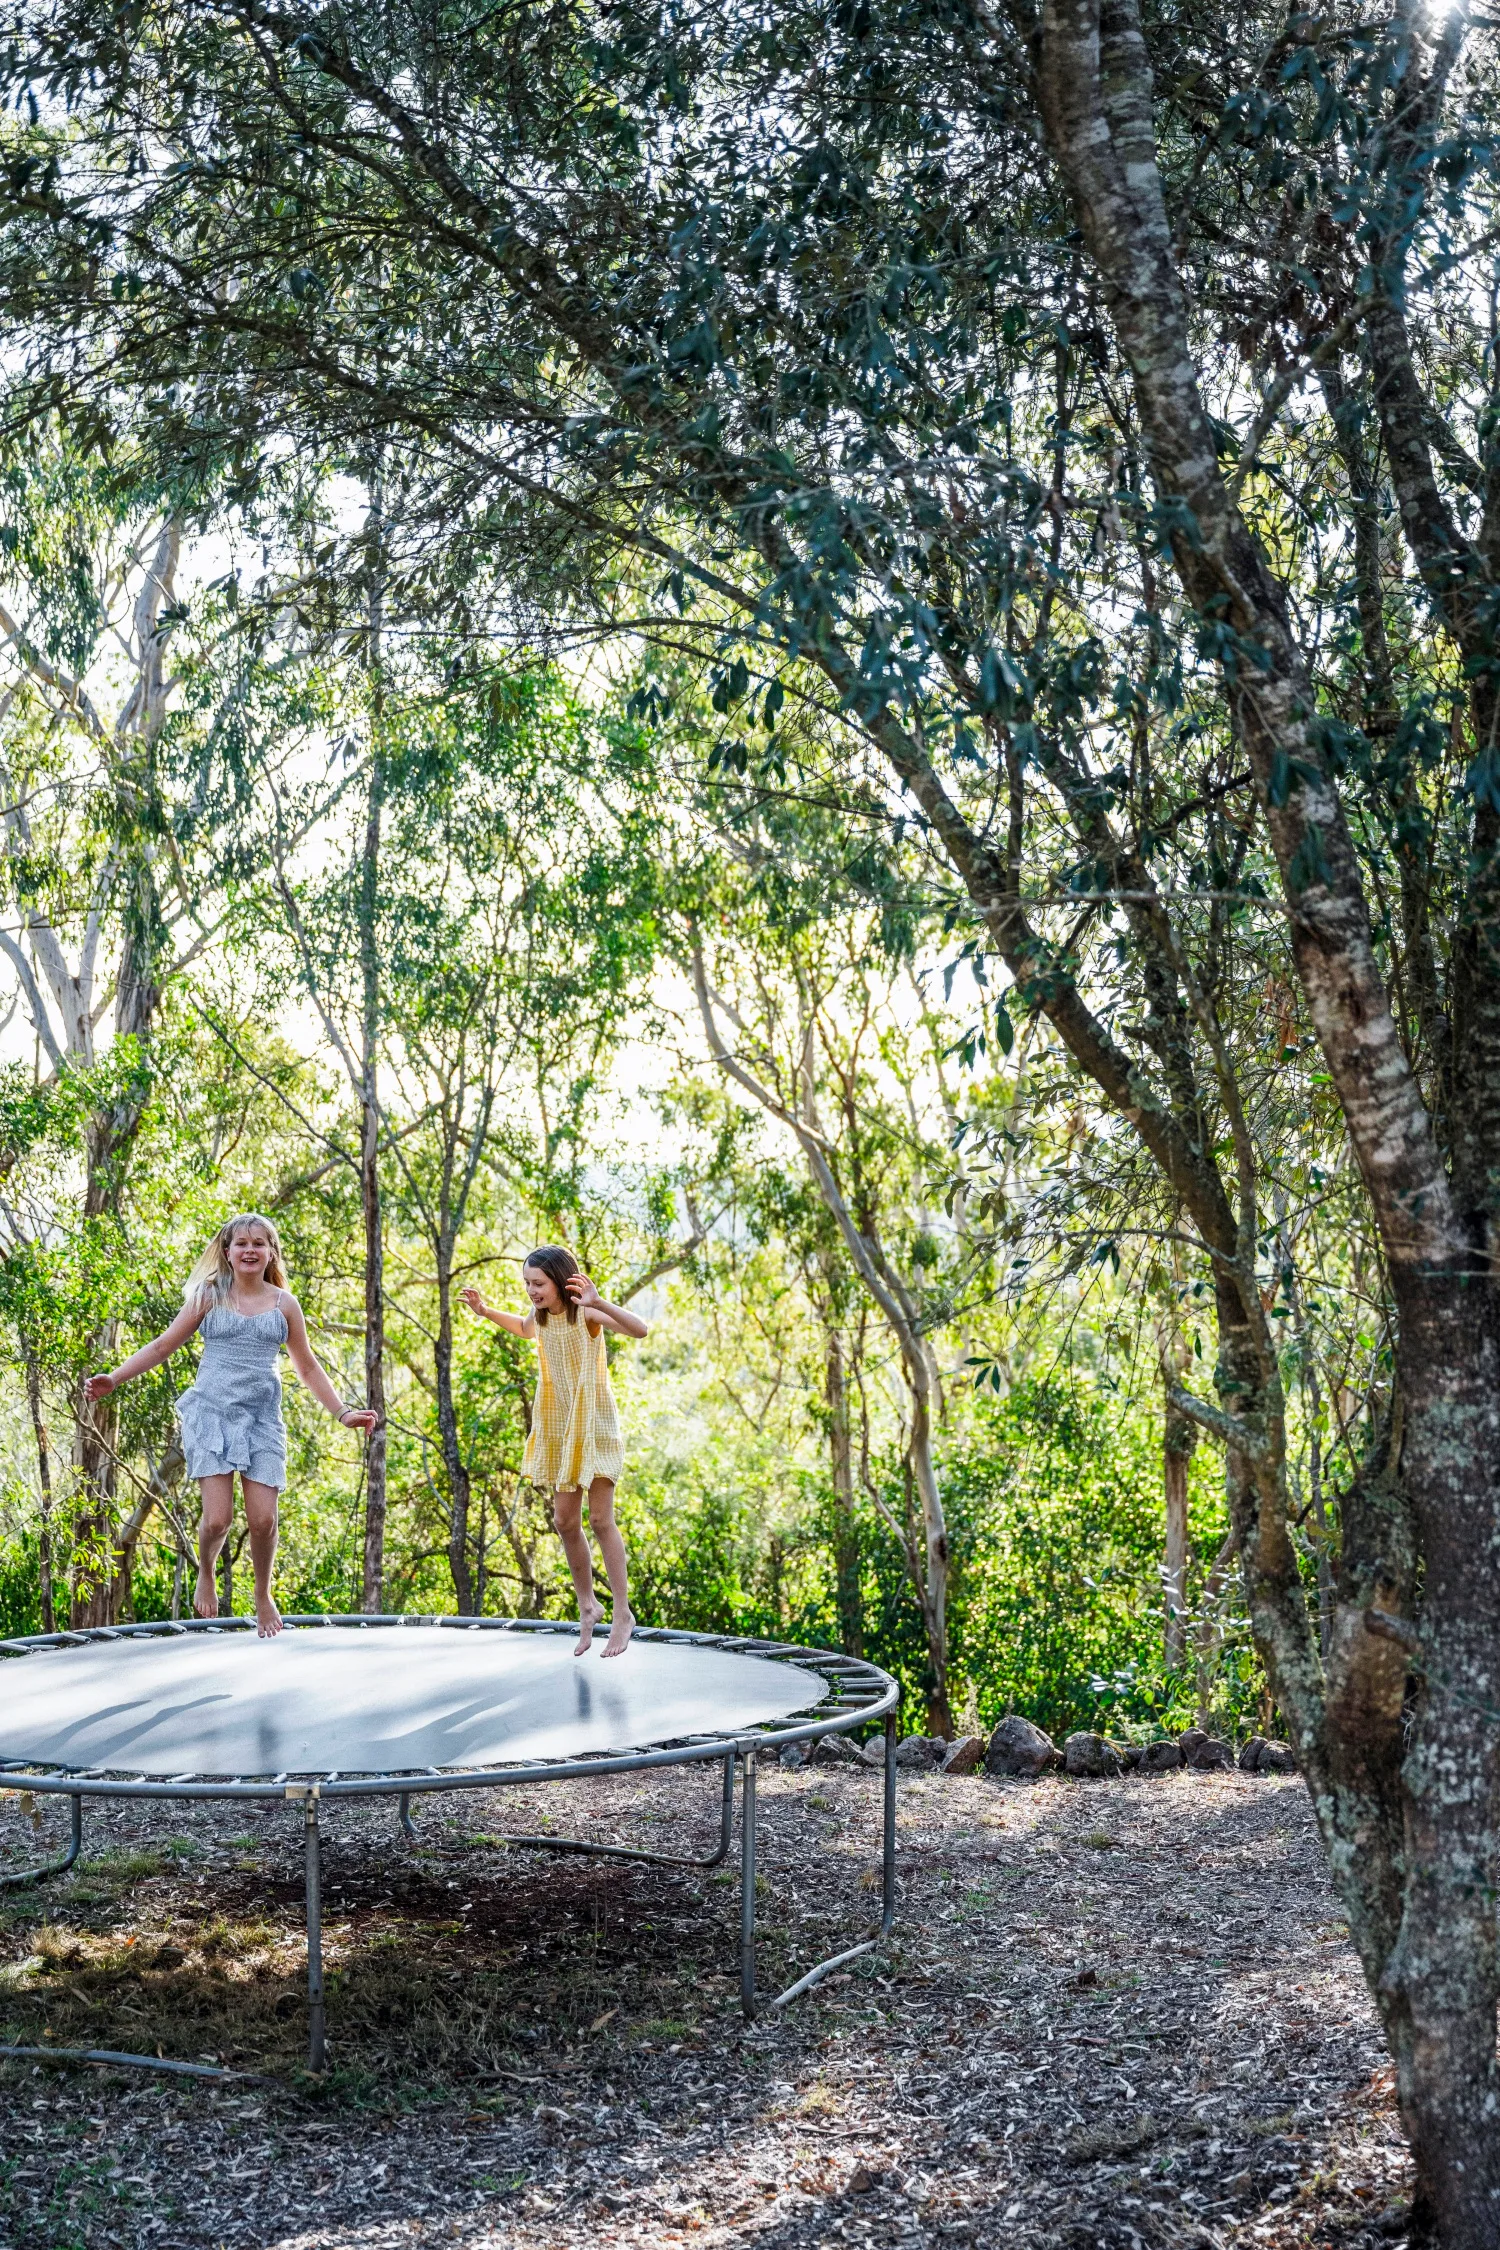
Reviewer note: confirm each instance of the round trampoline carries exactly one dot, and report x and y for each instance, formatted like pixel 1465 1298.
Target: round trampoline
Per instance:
pixel 405 1706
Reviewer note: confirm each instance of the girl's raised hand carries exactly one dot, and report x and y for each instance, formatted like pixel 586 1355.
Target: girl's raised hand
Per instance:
pixel 474 1299
pixel 359 1418
pixel 97 1387
pixel 582 1291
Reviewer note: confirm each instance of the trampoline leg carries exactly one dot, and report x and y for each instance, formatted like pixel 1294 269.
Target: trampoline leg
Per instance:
pixel 747 1889
pixel 51 1866
pixel 406 1819
pixel 888 1837
pixel 316 2046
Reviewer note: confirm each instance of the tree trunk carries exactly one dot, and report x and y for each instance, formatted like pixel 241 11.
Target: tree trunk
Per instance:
pixel 454 1465
pixel 1419 1889
pixel 1441 1983
pixel 1179 1441
pixel 44 1482
pixel 932 1587
pixel 110 1136
pixel 848 1596
pixel 165 1482
pixel 372 1596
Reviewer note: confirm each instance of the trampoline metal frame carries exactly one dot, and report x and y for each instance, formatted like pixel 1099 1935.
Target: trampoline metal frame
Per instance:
pixel 876 1696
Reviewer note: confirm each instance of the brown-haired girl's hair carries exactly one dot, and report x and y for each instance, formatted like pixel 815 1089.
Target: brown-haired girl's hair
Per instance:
pixel 559 1266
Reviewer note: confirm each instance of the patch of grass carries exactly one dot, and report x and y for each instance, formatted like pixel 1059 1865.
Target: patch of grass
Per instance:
pixel 118 1866
pixel 819 2101
pixel 1099 1840
pixel 59 1947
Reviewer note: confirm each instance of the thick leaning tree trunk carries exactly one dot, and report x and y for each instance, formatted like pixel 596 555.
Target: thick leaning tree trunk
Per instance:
pixel 1412 1845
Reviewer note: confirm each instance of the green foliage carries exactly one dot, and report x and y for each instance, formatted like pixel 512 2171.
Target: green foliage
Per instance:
pixel 1056 1505
pixel 20 1587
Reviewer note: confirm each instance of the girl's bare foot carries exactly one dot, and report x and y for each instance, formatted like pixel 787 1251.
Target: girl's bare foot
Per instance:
pixel 267 1617
pixel 205 1595
pixel 587 1620
pixel 619 1634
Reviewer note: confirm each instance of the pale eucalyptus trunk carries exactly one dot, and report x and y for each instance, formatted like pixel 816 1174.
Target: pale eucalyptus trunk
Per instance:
pixel 847 1595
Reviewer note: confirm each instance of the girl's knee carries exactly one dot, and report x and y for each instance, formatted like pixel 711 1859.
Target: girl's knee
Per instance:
pixel 262 1503
pixel 601 1503
pixel 567 1510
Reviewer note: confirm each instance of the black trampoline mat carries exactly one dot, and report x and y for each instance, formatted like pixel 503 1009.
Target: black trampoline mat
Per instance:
pixel 385 1699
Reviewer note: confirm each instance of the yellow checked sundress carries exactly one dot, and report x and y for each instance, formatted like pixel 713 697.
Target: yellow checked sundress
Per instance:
pixel 575 1429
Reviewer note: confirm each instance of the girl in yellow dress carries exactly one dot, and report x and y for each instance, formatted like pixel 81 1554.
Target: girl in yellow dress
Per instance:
pixel 575 1444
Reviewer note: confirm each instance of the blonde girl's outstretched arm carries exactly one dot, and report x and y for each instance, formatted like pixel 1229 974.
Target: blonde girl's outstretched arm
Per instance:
pixel 150 1355
pixel 310 1372
pixel 600 1312
pixel 514 1324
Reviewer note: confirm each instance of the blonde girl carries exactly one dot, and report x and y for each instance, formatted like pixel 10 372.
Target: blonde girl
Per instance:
pixel 231 1418
pixel 574 1446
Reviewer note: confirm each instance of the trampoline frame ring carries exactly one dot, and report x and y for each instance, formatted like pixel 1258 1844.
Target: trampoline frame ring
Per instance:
pixel 857 1693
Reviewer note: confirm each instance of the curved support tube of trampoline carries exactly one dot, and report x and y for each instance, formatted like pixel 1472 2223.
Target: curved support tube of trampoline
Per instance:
pixel 874 1936
pixel 882 1929
pixel 51 1866
pixel 614 1851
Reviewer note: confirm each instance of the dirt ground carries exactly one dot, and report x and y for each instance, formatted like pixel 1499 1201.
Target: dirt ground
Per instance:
pixel 1112 2013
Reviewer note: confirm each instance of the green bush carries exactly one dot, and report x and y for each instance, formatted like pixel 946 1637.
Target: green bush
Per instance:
pixel 20 1588
pixel 1055 1506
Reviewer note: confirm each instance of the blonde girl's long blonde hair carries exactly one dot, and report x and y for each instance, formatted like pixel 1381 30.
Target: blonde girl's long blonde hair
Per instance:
pixel 212 1278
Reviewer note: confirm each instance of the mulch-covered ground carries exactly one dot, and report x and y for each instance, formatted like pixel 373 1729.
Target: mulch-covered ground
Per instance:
pixel 1113 2013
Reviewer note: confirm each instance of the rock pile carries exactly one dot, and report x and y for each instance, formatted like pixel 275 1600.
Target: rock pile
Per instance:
pixel 1017 1749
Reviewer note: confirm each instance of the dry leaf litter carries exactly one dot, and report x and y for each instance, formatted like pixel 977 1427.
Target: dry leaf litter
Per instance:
pixel 1113 2013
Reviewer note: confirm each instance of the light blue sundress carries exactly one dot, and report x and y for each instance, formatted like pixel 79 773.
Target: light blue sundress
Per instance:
pixel 231 1418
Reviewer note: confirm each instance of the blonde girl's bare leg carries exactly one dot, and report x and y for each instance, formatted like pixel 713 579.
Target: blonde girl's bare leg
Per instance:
pixel 213 1530
pixel 261 1516
pixel 567 1515
pixel 612 1549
